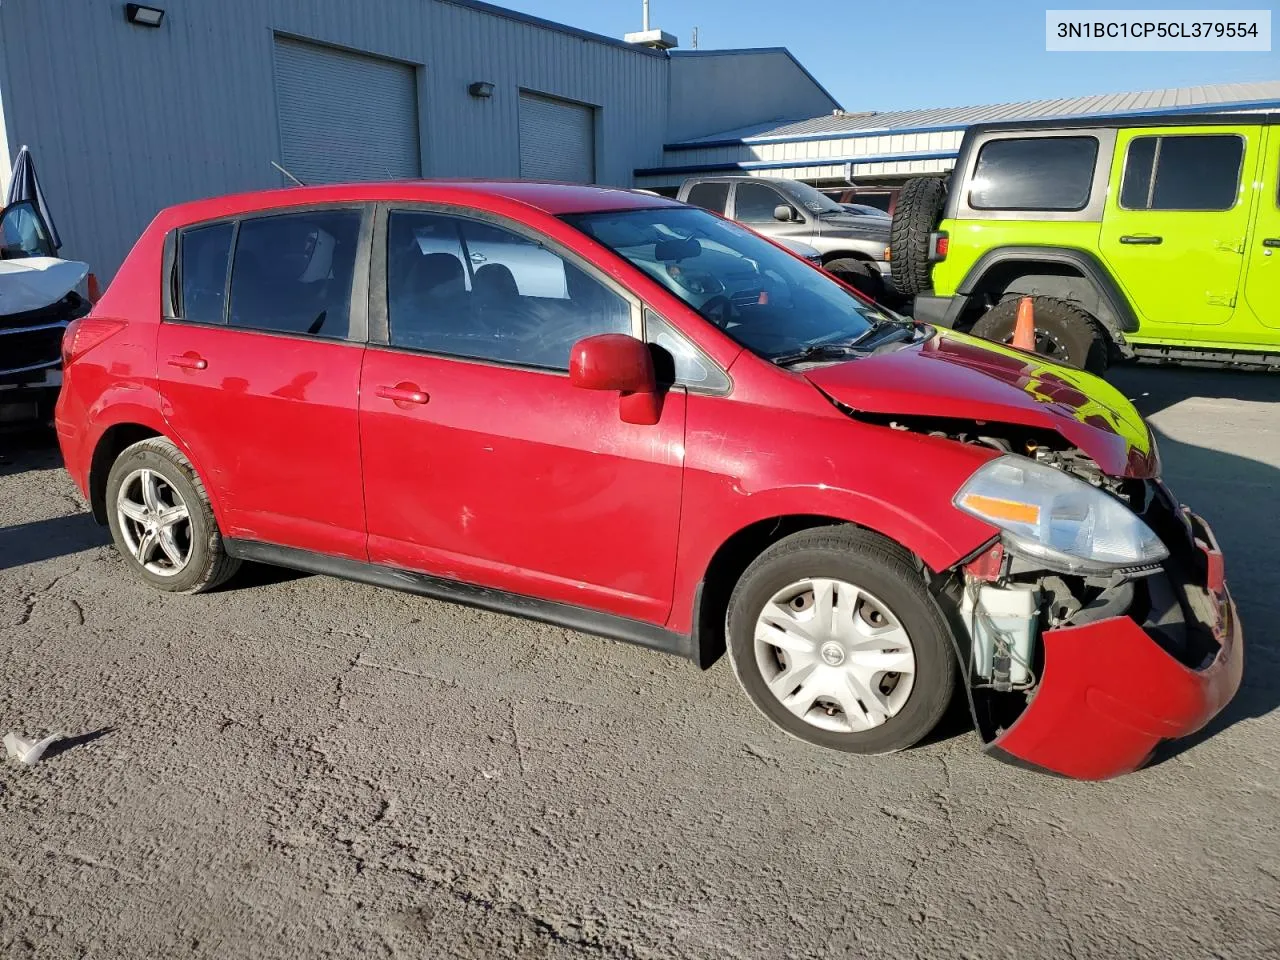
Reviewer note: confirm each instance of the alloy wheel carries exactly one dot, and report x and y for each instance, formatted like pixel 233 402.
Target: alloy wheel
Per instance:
pixel 154 522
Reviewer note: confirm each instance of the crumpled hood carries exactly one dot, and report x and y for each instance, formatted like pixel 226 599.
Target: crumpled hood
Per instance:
pixel 864 228
pixel 964 378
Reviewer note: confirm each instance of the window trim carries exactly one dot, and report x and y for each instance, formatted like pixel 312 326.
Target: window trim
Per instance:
pixel 379 322
pixel 1159 138
pixel 358 309
pixel 1023 208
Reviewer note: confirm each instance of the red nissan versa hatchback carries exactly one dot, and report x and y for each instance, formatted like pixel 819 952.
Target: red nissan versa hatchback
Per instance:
pixel 624 415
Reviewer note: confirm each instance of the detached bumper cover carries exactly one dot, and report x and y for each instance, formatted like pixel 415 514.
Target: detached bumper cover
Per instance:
pixel 1110 694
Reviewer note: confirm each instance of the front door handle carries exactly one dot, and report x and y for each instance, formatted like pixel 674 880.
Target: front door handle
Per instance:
pixel 403 392
pixel 189 361
pixel 1272 242
pixel 1141 239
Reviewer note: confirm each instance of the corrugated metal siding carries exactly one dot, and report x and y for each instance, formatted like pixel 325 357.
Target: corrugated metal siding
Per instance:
pixel 345 116
pixel 124 120
pixel 902 121
pixel 557 140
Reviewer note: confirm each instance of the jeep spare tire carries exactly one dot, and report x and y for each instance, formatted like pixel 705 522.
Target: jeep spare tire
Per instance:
pixel 914 218
pixel 1064 332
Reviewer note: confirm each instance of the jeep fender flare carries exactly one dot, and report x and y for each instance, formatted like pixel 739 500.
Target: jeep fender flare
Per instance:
pixel 1122 320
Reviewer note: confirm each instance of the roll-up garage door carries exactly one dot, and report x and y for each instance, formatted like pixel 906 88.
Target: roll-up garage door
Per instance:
pixel 557 140
pixel 345 116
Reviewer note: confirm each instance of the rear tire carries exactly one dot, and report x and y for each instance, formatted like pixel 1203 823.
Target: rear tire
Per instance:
pixel 864 663
pixel 858 274
pixel 162 522
pixel 1064 332
pixel 915 216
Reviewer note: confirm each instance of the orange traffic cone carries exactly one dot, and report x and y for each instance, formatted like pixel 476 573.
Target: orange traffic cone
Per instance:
pixel 1024 330
pixel 95 293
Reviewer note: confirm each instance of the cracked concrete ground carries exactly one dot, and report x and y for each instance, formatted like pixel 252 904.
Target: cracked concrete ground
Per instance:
pixel 299 767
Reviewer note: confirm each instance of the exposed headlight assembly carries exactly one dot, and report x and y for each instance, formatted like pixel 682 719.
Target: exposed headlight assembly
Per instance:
pixel 1056 518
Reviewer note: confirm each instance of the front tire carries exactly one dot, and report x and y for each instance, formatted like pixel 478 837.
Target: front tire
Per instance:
pixel 858 274
pixel 836 639
pixel 1064 332
pixel 162 522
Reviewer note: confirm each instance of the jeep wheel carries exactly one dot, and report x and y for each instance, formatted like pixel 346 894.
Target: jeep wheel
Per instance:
pixel 914 217
pixel 1064 332
pixel 857 274
pixel 835 637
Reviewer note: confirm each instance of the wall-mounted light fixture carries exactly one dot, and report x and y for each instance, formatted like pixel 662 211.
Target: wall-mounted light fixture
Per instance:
pixel 142 16
pixel 481 88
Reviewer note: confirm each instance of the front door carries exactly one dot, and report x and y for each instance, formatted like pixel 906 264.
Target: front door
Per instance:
pixel 264 390
pixel 1174 229
pixel 483 463
pixel 1262 256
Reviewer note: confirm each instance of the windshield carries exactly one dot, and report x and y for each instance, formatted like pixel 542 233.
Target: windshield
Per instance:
pixel 809 198
pixel 766 299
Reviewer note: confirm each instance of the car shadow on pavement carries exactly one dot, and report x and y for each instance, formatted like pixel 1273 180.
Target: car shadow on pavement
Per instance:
pixel 48 539
pixel 1234 494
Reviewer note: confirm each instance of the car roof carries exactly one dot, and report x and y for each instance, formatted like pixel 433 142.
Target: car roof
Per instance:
pixel 1132 120
pixel 546 197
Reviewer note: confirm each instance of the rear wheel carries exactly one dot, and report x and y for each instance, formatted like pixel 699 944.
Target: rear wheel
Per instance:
pixel 1064 332
pixel 915 216
pixel 162 522
pixel 858 274
pixel 835 638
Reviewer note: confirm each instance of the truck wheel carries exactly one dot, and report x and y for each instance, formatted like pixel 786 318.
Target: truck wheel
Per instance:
pixel 857 274
pixel 1064 332
pixel 835 637
pixel 914 217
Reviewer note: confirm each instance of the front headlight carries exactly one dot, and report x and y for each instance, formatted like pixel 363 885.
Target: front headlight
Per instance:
pixel 1055 517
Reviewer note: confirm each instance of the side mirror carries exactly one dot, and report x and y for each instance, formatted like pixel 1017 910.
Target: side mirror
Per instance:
pixel 784 212
pixel 617 361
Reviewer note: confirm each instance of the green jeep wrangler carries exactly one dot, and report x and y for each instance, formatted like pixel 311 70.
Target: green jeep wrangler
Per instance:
pixel 1156 237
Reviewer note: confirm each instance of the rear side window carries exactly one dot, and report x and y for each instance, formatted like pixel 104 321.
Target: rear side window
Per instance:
pixel 292 273
pixel 206 251
pixel 755 203
pixel 1185 172
pixel 709 196
pixel 1041 173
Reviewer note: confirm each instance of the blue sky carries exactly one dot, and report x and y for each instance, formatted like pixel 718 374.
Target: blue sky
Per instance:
pixel 923 53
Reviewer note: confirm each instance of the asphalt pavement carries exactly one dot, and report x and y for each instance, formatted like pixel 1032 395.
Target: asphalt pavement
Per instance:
pixel 300 767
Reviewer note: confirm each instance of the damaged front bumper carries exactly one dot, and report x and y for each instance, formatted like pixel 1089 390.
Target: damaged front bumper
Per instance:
pixel 1111 691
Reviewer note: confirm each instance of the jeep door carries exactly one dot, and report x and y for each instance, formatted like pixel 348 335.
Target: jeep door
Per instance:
pixel 1262 253
pixel 1175 223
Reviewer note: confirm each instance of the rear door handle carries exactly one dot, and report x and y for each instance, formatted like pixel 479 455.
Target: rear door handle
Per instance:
pixel 1272 242
pixel 403 393
pixel 188 361
pixel 1141 239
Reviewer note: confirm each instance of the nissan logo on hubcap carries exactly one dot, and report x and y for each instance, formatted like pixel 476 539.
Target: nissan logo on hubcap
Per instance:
pixel 832 653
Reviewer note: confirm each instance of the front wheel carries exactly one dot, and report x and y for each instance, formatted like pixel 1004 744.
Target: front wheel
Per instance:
pixel 858 274
pixel 1063 331
pixel 835 638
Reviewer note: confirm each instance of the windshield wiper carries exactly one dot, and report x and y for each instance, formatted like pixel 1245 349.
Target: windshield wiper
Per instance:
pixel 817 351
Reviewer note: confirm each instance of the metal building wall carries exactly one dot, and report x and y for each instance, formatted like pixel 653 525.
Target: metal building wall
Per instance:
pixel 713 90
pixel 125 120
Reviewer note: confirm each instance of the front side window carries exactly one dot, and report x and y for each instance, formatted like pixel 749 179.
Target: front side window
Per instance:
pixel 713 195
pixel 1040 173
pixel 469 288
pixel 1184 172
pixel 292 273
pixel 761 296
pixel 755 203
pixel 205 253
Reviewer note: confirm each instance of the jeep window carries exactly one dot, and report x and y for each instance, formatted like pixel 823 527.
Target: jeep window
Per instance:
pixel 756 202
pixel 1041 173
pixel 761 296
pixel 1185 172
pixel 710 196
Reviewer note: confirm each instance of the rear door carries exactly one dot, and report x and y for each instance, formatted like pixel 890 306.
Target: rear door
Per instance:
pixel 1174 230
pixel 259 367
pixel 1262 253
